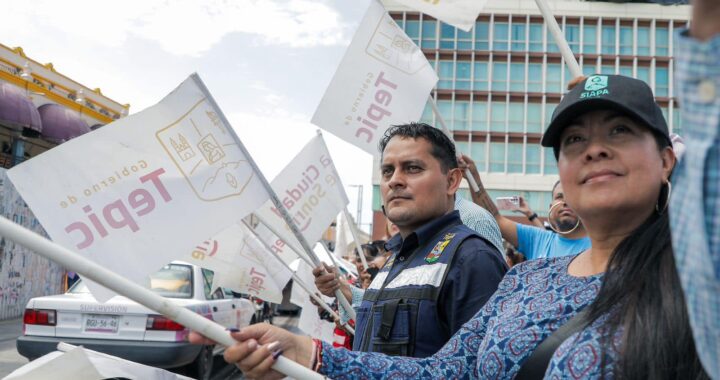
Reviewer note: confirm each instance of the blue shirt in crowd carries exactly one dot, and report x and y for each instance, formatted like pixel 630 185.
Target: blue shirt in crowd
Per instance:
pixel 537 243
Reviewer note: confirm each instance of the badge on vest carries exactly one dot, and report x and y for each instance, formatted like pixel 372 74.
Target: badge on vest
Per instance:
pixel 434 255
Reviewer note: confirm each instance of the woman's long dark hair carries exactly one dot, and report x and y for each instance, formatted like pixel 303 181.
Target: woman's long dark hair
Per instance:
pixel 642 290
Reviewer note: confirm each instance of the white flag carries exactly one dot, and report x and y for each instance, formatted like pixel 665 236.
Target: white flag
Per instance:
pixel 311 191
pixel 383 80
pixel 240 262
pixel 145 189
pixel 311 324
pixel 458 13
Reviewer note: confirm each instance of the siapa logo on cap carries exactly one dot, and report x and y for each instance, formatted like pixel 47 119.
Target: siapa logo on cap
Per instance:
pixel 595 85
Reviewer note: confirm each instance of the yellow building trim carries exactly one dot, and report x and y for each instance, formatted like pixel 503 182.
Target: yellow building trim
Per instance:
pixel 69 103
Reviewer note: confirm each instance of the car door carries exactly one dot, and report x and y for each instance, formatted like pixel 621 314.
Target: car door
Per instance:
pixel 221 308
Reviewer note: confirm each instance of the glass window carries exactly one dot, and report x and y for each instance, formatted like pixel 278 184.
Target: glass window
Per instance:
pixel 515 158
pixel 482 36
pixel 662 45
pixel 479 116
pixel 590 39
pixel 477 153
pixel 497 157
pixel 572 35
pixel 516 117
pixel 446 110
pixel 497 117
pixel 550 162
pixel 461 121
pixel 661 81
pixel 517 76
pixel 549 108
pixel 536 37
pixel 608 69
pixel 643 73
pixel 608 39
pixel 534 118
pixel 447 36
pixel 429 35
pixel 462 147
pixel 643 41
pixel 427 115
pixel 518 37
pixel 445 73
pixel 677 121
pixel 412 29
pixel 499 82
pixel 500 39
pixel 464 40
pixel 534 81
pixel 553 82
pixel 462 76
pixel 174 281
pixel 532 158
pixel 626 40
pixel 481 76
pixel 625 70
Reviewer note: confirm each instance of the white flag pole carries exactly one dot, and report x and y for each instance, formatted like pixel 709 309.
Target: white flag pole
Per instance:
pixel 471 180
pixel 559 38
pixel 273 196
pixel 113 281
pixel 358 246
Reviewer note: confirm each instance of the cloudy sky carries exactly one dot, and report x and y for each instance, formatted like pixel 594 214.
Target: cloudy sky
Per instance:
pixel 267 62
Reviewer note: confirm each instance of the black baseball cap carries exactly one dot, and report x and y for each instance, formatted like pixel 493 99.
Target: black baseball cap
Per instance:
pixel 629 96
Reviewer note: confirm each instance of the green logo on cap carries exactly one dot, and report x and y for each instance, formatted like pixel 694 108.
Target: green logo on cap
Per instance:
pixel 596 82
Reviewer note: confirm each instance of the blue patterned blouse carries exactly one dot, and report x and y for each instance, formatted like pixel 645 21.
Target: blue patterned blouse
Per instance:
pixel 531 302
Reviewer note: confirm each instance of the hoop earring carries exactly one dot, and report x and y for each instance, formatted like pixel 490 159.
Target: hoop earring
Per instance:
pixel 553 227
pixel 667 199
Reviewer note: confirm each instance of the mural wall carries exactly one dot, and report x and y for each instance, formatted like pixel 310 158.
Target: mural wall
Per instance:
pixel 23 274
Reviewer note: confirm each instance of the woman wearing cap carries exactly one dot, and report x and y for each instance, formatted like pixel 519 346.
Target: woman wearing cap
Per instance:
pixel 614 160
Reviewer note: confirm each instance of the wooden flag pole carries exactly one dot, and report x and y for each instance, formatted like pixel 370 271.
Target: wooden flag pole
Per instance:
pixel 560 40
pixel 135 292
pixel 273 196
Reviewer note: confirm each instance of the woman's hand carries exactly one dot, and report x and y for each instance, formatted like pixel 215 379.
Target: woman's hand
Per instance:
pixel 258 348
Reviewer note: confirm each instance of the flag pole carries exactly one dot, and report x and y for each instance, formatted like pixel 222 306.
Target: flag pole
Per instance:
pixel 273 196
pixel 559 38
pixel 297 280
pixel 358 246
pixel 135 292
pixel 471 180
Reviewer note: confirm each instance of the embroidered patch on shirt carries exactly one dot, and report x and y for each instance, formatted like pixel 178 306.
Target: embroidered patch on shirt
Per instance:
pixel 434 255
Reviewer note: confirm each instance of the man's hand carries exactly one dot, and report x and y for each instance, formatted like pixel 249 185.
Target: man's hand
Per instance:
pixel 327 284
pixel 523 208
pixel 575 82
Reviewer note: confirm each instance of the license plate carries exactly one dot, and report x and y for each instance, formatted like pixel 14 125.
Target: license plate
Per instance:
pixel 99 323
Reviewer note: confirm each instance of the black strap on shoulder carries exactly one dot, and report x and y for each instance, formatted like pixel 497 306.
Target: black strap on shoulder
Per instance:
pixel 536 365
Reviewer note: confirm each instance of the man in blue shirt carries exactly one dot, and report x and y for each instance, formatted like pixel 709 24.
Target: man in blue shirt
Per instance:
pixel 569 237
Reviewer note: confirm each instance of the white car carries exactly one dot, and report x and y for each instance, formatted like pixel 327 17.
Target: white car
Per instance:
pixel 123 328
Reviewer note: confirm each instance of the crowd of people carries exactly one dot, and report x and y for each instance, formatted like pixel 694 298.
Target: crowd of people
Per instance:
pixel 623 283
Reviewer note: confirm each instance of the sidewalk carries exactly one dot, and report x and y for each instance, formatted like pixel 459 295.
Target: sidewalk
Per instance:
pixel 10 329
pixel 10 360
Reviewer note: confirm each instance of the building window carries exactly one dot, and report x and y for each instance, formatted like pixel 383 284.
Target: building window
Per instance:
pixel 589 39
pixel 534 118
pixel 608 39
pixel 550 161
pixel 532 158
pixel 464 40
pixel 429 35
pixel 482 36
pixel 427 115
pixel 446 111
pixel 626 40
pixel 412 29
pixel 516 117
pixel 517 76
pixel 536 37
pixel 461 121
pixel 608 69
pixel 479 116
pixel 501 38
pixel 462 76
pixel 518 37
pixel 626 70
pixel 515 158
pixel 447 36
pixel 497 117
pixel 480 76
pixel 661 81
pixel 572 35
pixel 477 153
pixel 677 121
pixel 662 46
pixel 499 82
pixel 445 75
pixel 497 157
pixel 643 73
pixel 553 80
pixel 643 41
pixel 534 81
pixel 462 147
pixel 549 109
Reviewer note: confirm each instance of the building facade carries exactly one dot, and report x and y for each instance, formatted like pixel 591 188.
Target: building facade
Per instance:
pixel 499 83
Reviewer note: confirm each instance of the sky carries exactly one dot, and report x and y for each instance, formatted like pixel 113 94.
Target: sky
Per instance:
pixel 266 62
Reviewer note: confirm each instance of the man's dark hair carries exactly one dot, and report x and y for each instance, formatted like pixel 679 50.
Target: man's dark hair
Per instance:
pixel 443 148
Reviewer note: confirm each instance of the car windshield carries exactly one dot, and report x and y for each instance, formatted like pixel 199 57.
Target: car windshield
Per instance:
pixel 172 281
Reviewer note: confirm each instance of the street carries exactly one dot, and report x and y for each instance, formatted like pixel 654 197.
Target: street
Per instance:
pixel 11 360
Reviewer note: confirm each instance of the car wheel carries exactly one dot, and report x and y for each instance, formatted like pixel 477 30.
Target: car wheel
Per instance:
pixel 202 367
